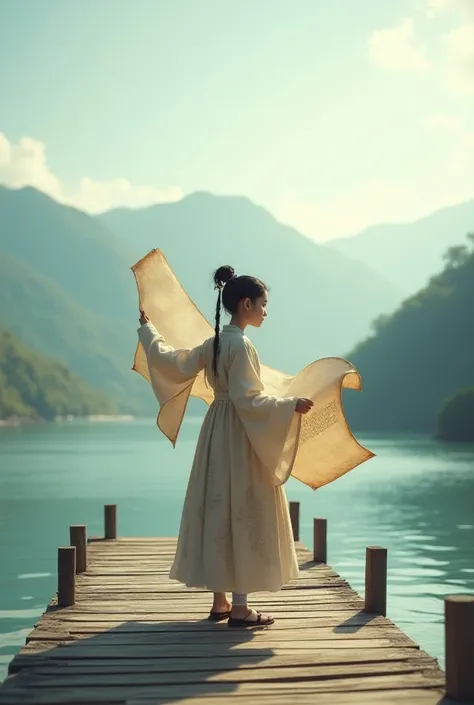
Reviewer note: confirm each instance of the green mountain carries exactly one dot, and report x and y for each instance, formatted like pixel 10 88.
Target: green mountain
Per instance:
pixel 66 290
pixel 35 387
pixel 48 320
pixel 321 302
pixel 409 254
pixel 420 355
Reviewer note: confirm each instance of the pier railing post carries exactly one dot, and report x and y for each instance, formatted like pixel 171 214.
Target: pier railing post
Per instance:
pixel 77 535
pixel 110 521
pixel 320 551
pixel 376 580
pixel 66 576
pixel 459 643
pixel 295 519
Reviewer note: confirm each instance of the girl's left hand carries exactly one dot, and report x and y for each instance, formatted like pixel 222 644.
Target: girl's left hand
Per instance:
pixel 303 405
pixel 143 318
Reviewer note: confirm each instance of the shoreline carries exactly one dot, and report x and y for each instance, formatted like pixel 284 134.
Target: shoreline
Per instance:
pixel 20 421
pixel 17 421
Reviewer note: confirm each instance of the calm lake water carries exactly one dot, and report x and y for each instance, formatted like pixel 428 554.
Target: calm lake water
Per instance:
pixel 416 498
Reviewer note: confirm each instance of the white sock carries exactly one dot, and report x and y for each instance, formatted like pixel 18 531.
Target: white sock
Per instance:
pixel 238 599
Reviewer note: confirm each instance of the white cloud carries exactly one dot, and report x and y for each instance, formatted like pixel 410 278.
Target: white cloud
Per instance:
pixel 97 196
pixel 25 164
pixel 397 49
pixel 457 45
pixel 458 49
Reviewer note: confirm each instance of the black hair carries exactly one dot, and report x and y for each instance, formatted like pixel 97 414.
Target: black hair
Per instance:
pixel 232 289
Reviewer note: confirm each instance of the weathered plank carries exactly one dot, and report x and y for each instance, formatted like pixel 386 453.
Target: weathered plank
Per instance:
pixel 385 697
pixel 105 580
pixel 52 666
pixel 127 608
pixel 325 593
pixel 23 695
pixel 332 617
pixel 106 648
pixel 62 677
pixel 66 630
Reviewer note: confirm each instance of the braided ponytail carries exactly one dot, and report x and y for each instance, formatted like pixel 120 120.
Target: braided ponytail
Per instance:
pixel 216 335
pixel 221 277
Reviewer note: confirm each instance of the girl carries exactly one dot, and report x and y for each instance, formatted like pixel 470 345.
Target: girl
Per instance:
pixel 235 534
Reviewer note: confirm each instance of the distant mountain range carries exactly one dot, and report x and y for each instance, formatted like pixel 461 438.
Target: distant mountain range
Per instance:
pixel 409 254
pixel 66 291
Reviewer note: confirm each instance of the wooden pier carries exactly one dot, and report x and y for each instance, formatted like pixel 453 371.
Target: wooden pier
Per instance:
pixel 120 632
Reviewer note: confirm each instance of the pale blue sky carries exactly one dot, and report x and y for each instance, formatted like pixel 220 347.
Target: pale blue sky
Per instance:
pixel 285 102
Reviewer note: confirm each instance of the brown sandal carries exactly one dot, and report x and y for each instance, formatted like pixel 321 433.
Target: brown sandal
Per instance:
pixel 233 622
pixel 218 616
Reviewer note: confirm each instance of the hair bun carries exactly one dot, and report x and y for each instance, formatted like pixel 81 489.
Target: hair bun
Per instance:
pixel 223 275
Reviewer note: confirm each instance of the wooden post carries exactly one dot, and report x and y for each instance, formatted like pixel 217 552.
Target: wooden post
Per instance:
pixel 459 644
pixel 77 535
pixel 66 576
pixel 320 551
pixel 110 521
pixel 295 519
pixel 376 580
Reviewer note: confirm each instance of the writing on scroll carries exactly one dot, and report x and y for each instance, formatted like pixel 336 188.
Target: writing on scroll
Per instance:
pixel 319 421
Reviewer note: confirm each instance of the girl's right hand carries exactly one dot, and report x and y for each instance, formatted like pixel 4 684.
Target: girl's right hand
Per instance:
pixel 143 318
pixel 303 406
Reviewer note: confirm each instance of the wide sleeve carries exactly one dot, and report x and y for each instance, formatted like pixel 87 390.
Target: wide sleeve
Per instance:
pixel 172 374
pixel 270 422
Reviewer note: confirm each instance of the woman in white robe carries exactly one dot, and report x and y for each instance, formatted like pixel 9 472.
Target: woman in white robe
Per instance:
pixel 235 534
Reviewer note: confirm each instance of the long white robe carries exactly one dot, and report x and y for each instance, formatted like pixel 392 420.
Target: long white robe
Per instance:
pixel 235 532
